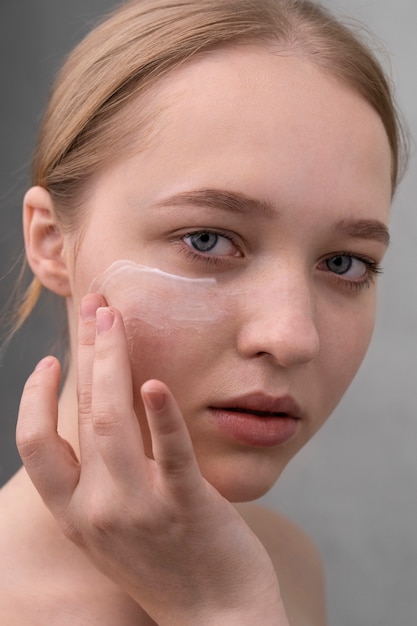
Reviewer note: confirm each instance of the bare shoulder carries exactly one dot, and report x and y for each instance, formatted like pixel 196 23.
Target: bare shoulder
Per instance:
pixel 296 560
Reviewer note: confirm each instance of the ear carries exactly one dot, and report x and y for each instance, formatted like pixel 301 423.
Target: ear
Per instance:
pixel 44 242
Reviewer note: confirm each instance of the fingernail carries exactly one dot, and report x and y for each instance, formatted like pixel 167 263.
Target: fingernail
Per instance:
pixel 104 319
pixel 44 363
pixel 88 308
pixel 155 400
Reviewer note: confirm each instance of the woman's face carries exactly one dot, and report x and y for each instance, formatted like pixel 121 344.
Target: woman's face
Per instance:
pixel 267 186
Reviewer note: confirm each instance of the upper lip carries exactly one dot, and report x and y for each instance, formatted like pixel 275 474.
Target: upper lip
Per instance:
pixel 262 404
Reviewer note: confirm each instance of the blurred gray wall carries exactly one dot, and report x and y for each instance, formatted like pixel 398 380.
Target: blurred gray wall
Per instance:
pixel 353 487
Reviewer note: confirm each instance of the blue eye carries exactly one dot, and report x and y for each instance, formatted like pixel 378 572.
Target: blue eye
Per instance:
pixel 214 243
pixel 203 242
pixel 349 266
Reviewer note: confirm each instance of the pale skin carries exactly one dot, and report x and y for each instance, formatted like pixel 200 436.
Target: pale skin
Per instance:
pixel 136 515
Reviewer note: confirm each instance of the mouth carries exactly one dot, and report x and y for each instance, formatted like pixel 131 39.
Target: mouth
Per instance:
pixel 258 420
pixel 255 412
pixel 262 405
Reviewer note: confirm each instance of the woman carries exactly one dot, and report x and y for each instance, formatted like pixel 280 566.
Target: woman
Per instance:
pixel 211 196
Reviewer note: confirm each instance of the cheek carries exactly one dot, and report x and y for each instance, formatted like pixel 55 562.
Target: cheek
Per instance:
pixel 345 348
pixel 175 328
pixel 168 320
pixel 172 352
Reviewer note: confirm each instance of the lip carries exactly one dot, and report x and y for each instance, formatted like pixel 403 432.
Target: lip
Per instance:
pixel 258 419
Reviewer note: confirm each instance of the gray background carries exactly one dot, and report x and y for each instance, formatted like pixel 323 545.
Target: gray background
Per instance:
pixel 353 487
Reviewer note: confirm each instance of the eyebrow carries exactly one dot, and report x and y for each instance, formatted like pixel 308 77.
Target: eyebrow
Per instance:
pixel 237 202
pixel 365 229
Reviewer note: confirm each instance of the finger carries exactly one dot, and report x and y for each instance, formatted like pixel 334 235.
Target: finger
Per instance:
pixel 86 353
pixel 116 427
pixel 49 460
pixel 171 442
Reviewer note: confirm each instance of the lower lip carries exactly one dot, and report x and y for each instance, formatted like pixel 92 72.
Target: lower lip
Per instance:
pixel 253 430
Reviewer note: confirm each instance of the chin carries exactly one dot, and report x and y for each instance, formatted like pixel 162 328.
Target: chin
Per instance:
pixel 242 480
pixel 243 493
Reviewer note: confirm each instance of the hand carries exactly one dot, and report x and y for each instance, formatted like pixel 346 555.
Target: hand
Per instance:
pixel 155 526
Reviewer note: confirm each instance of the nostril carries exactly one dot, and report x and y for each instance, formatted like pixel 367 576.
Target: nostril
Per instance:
pixel 288 348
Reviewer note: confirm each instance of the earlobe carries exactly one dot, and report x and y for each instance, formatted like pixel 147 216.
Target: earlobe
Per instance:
pixel 44 242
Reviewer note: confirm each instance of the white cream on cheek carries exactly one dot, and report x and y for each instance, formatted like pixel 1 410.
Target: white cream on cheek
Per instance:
pixel 158 298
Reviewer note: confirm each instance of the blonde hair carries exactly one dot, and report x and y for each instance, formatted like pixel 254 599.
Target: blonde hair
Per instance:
pixel 85 124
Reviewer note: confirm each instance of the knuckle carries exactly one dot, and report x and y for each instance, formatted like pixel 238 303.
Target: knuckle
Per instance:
pixel 30 444
pixel 84 400
pixel 177 466
pixel 90 524
pixel 87 336
pixel 104 417
pixel 69 527
pixel 99 522
pixel 104 423
pixel 100 516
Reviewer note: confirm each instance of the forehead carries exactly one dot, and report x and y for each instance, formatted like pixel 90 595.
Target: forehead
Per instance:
pixel 263 120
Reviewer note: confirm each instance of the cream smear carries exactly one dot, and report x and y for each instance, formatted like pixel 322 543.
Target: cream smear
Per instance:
pixel 159 298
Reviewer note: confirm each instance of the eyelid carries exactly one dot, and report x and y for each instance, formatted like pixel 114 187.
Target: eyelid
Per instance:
pixel 369 261
pixel 372 270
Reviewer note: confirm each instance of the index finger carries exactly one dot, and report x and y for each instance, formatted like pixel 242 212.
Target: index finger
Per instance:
pixel 171 442
pixel 85 360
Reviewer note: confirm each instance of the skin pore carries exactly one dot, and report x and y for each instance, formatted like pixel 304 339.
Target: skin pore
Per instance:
pixel 278 188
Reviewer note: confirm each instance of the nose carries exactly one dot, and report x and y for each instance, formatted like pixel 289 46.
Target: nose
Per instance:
pixel 278 320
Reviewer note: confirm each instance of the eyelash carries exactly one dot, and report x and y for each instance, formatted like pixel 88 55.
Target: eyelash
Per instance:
pixel 372 268
pixel 372 271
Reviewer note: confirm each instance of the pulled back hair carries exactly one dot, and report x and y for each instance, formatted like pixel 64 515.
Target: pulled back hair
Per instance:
pixel 86 126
